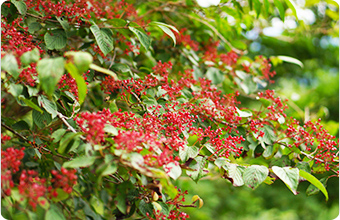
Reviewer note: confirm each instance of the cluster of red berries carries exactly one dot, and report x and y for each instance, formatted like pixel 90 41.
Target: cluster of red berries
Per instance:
pixel 185 40
pixel 65 179
pixel 10 163
pixel 68 83
pixel 313 132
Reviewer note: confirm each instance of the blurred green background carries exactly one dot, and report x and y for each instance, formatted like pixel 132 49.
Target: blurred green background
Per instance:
pixel 313 91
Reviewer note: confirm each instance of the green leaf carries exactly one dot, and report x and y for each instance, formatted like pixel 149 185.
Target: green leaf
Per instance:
pixel 312 190
pixel 269 135
pixel 292 6
pixel 175 170
pixel 291 60
pixel 65 142
pixel 62 195
pixel 54 213
pixel 145 207
pixel 257 6
pixel 81 60
pixel 110 169
pixel 63 22
pixel 41 120
pixel 30 103
pixel 215 75
pixel 310 178
pixel 142 37
pixel 20 5
pixel 221 161
pixel 290 176
pixel 166 29
pixel 254 175
pixel 266 7
pixel 103 38
pixel 48 105
pixel 198 168
pixel 82 161
pixel 10 65
pixel 102 70
pixel 30 56
pixel 281 9
pixel 244 113
pixel 48 76
pixel 111 129
pixel 56 136
pixel 55 39
pixel 33 27
pixel 81 84
pixel 15 89
pixel 187 152
pixel 235 173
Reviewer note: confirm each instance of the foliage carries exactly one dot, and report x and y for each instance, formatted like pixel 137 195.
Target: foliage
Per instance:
pixel 106 104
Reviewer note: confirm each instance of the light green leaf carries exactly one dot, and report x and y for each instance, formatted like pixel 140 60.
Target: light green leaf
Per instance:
pixel 104 38
pixel 48 76
pixel 10 65
pixel 281 9
pixel 221 161
pixel 235 173
pixel 257 6
pixel 56 136
pixel 54 213
pixel 291 60
pixel 66 142
pixel 111 129
pixel 142 37
pixel 254 175
pixel 80 59
pixel 82 161
pixel 30 56
pixel 198 168
pixel 310 178
pixel 187 152
pixel 166 29
pixel 20 5
pixel 175 170
pixel 55 39
pixel 102 70
pixel 290 176
pixel 81 84
pixel 292 6
pixel 244 114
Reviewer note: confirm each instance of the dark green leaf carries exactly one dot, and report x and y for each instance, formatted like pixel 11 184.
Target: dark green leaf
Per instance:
pixel 48 76
pixel 63 22
pixel 104 38
pixel 56 39
pixel 142 37
pixel 10 65
pixel 254 175
pixel 41 120
pixel 82 161
pixel 145 207
pixel 21 125
pixel 20 5
pixel 33 27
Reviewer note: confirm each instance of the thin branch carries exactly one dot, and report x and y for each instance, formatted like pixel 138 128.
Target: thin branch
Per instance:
pixel 63 118
pixel 28 141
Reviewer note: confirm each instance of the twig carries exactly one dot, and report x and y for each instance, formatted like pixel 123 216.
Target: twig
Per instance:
pixel 28 141
pixel 63 118
pixel 216 32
